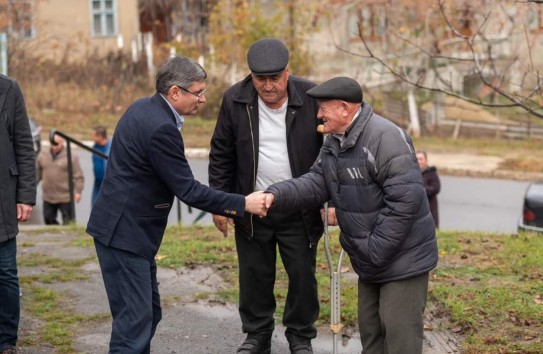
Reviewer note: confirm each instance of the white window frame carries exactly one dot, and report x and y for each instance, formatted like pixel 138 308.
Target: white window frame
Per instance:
pixel 103 13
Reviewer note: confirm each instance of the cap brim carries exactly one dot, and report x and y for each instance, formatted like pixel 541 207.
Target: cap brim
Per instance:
pixel 268 73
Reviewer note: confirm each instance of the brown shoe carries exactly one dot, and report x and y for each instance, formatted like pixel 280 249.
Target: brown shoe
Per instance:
pixel 11 350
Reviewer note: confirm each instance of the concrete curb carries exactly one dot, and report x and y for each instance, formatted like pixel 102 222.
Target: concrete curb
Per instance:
pixel 448 164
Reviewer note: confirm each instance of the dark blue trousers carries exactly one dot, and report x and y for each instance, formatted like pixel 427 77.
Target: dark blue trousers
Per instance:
pixel 132 290
pixel 9 294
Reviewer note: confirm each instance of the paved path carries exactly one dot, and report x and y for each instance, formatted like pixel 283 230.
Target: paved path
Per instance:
pixel 189 326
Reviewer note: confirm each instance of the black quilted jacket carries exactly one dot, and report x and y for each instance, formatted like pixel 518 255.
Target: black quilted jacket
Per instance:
pixel 375 183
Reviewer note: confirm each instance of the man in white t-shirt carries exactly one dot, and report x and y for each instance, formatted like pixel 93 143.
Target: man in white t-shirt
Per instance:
pixel 266 132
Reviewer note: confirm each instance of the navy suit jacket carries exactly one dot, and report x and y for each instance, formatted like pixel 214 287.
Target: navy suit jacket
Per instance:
pixel 146 168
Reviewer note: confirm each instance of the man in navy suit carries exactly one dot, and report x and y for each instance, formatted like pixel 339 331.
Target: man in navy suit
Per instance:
pixel 146 168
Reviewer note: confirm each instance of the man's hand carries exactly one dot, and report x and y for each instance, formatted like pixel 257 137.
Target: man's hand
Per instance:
pixel 270 199
pixel 23 212
pixel 332 220
pixel 77 197
pixel 221 223
pixel 255 203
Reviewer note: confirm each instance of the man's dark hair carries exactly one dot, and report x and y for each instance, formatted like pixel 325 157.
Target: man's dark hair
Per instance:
pixel 101 131
pixel 180 71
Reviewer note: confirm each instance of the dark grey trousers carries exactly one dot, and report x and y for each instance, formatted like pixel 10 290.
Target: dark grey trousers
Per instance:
pixel 390 315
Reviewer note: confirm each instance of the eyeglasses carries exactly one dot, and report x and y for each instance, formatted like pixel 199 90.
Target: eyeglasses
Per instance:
pixel 197 94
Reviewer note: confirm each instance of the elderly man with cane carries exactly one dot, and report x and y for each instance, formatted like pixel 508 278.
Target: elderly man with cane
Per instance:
pixel 369 170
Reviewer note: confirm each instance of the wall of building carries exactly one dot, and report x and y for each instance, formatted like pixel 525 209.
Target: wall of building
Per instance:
pixel 63 29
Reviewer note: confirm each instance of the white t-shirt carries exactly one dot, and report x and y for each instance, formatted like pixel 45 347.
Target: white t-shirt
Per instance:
pixel 273 162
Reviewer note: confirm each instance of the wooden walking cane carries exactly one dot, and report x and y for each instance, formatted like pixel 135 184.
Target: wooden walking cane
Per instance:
pixel 335 296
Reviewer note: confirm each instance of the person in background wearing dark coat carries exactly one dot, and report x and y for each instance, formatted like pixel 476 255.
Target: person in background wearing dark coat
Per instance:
pixel 99 164
pixel 431 183
pixel 146 168
pixel 367 167
pixel 18 196
pixel 267 132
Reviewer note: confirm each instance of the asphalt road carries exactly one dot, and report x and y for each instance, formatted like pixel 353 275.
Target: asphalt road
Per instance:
pixel 466 203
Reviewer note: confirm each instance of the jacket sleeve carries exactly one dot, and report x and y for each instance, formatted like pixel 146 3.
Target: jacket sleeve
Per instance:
pixel 403 196
pixel 24 151
pixel 222 155
pixel 166 154
pixel 433 185
pixel 308 190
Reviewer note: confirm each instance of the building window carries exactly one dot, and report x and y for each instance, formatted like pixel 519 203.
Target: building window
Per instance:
pixel 535 22
pixel 21 21
pixel 104 18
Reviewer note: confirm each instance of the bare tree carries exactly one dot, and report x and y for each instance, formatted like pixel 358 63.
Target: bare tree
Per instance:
pixel 485 52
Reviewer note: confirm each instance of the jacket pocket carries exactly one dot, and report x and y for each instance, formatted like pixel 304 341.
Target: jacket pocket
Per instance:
pixel 14 170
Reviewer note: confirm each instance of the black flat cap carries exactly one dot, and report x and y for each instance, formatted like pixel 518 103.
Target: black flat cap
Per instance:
pixel 338 88
pixel 267 56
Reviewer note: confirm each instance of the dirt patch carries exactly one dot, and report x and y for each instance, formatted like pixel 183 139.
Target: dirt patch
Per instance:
pixel 522 164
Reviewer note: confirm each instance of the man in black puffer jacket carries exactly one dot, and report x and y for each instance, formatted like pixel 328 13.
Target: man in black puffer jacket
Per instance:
pixel 367 167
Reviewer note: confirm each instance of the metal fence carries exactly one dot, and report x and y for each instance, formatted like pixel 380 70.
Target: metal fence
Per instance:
pixel 397 111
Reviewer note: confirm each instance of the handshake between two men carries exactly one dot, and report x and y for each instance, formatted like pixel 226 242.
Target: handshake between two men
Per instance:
pixel 258 203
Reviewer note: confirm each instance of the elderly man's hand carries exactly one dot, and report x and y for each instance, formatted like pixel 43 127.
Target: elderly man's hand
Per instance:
pixel 23 212
pixel 332 220
pixel 270 199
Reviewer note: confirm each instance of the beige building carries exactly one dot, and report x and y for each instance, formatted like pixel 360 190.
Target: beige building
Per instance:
pixel 74 29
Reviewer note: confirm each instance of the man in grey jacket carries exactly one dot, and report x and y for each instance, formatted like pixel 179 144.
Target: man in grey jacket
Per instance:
pixel 17 196
pixel 367 167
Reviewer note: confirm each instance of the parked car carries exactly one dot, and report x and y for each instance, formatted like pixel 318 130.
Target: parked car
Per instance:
pixel 532 214
pixel 35 129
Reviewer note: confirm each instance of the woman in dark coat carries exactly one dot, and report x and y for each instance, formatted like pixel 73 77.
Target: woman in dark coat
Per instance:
pixel 431 183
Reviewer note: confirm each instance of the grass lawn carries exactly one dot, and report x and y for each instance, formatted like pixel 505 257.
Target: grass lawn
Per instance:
pixel 489 286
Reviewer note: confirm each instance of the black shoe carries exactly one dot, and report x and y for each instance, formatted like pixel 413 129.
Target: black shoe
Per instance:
pixel 255 344
pixel 301 347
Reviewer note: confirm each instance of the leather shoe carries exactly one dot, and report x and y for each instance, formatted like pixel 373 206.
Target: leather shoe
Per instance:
pixel 301 347
pixel 11 350
pixel 255 345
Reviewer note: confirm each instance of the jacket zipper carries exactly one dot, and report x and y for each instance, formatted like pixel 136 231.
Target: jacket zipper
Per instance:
pixel 254 163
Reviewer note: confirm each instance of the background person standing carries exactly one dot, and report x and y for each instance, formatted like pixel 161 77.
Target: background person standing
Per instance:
pixel 432 184
pixel 52 171
pixel 18 196
pixel 99 164
pixel 266 133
